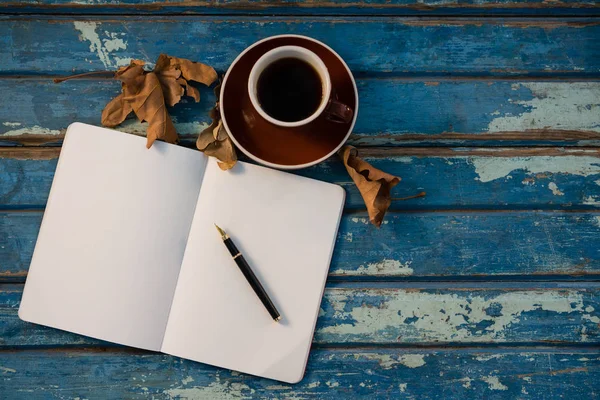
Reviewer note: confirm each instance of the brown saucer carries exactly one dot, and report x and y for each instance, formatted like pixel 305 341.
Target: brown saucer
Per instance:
pixel 272 145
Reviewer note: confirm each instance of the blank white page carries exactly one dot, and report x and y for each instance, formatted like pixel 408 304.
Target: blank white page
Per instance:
pixel 285 226
pixel 113 237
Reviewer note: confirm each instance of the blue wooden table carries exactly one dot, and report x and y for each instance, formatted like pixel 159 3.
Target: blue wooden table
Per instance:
pixel 486 288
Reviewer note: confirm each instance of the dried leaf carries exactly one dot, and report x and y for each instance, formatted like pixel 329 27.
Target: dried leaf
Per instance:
pixel 171 87
pixel 214 140
pixel 190 70
pixel 118 109
pixel 206 137
pixel 134 70
pixel 195 71
pixel 145 93
pixel 148 102
pixel 374 185
pixel 163 63
pixel 115 112
pixel 189 89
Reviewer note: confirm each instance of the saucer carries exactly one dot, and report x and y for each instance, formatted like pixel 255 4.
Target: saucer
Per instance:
pixel 276 146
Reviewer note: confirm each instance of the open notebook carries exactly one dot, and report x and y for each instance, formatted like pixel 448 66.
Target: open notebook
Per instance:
pixel 128 253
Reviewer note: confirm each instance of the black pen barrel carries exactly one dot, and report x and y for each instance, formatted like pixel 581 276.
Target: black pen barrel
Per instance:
pixel 252 279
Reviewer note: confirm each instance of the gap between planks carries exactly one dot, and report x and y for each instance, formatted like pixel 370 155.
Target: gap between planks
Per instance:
pixel 547 22
pixel 47 153
pixel 516 348
pixel 467 286
pixel 542 9
pixel 400 77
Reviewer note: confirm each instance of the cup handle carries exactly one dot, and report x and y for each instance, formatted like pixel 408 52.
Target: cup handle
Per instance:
pixel 338 112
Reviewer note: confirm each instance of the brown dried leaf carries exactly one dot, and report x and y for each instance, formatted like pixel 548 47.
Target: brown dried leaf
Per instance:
pixel 188 70
pixel 191 71
pixel 374 185
pixel 118 109
pixel 171 87
pixel 189 89
pixel 163 63
pixel 214 140
pixel 131 71
pixel 148 102
pixel 115 112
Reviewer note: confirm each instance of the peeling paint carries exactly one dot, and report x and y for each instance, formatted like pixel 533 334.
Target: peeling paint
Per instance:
pixel 489 357
pixel 412 360
pixel 384 267
pixel 402 387
pixel 103 47
pixel 187 380
pixel 584 335
pixel 11 124
pixel 386 361
pixel 215 391
pixel 554 189
pixel 348 236
pixel 6 370
pixel 33 130
pixel 556 105
pixel 591 318
pixel 494 383
pixel 442 317
pixel 492 168
pixel 592 201
pixel 466 382
pixel 278 387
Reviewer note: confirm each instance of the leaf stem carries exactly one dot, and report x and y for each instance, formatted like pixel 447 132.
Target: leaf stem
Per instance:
pixel 422 194
pixel 66 78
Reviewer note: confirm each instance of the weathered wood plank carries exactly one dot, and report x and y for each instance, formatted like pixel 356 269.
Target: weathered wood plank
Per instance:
pixel 392 111
pixel 306 7
pixel 330 374
pixel 416 46
pixel 540 178
pixel 491 245
pixel 390 315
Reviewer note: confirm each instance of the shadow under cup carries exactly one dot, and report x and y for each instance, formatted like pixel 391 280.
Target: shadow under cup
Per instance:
pixel 278 146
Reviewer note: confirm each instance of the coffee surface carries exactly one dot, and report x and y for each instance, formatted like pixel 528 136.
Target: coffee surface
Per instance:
pixel 289 90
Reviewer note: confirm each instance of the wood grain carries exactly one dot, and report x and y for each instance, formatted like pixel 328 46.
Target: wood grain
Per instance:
pixel 539 178
pixel 331 374
pixel 415 246
pixel 385 46
pixel 393 111
pixel 486 288
pixel 359 314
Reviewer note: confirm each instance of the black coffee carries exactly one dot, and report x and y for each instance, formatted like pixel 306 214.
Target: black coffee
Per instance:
pixel 289 90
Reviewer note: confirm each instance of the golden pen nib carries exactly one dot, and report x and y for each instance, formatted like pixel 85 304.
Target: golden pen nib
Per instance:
pixel 222 232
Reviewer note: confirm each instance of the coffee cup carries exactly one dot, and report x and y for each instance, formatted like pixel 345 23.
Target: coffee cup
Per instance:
pixel 290 86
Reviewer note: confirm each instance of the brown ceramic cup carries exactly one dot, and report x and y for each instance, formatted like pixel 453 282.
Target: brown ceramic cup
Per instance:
pixel 298 144
pixel 333 109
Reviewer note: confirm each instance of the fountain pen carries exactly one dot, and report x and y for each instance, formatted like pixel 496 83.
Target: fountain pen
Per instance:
pixel 249 275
